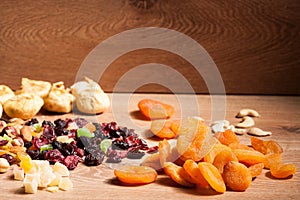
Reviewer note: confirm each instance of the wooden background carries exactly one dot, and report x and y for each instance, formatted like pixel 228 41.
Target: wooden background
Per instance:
pixel 254 43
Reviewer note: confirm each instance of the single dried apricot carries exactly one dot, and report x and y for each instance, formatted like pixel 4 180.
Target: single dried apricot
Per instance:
pixel 283 170
pixel 135 174
pixel 239 146
pixel 237 176
pixel 191 167
pixel 176 173
pixel 272 159
pixel 217 148
pixel 227 137
pixel 249 157
pixel 153 109
pixel 212 176
pixel 162 129
pixel 266 147
pixel 164 150
pixel 192 135
pixel 223 158
pixel 256 169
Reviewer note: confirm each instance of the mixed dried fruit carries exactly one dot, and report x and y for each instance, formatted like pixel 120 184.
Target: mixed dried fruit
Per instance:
pixel 153 109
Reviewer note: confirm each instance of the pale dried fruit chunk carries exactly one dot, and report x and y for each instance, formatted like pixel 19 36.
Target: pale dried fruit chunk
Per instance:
pixel 65 184
pixel 4 165
pixel 18 173
pixel 39 88
pixel 90 98
pixel 30 183
pixel 237 176
pixel 56 180
pixel 164 150
pixel 61 169
pixel 5 93
pixel 52 189
pixel 135 174
pixel 59 99
pixel 24 106
pixel 175 173
pixel 212 176
pixel 152 161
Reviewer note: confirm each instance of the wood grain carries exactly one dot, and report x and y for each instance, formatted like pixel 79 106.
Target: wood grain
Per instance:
pixel 255 43
pixel 278 114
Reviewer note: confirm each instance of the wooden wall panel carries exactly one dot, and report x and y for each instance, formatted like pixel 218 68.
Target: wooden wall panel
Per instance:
pixel 255 43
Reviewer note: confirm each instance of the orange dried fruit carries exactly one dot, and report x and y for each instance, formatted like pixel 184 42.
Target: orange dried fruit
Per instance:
pixel 212 176
pixel 223 158
pixel 256 169
pixel 135 174
pixel 177 174
pixel 240 146
pixel 175 125
pixel 227 137
pixel 162 129
pixel 266 147
pixel 194 140
pixel 164 150
pixel 249 157
pixel 283 170
pixel 218 147
pixel 272 159
pixel 237 176
pixel 153 109
pixel 191 167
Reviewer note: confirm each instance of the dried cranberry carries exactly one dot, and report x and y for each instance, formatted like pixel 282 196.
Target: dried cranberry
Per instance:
pixel 61 131
pixel 31 122
pixel 10 131
pixel 67 149
pixel 153 149
pixel 115 133
pixel 27 144
pixel 81 122
pixel 38 142
pixel 56 145
pixel 79 152
pixel 3 142
pixel 54 156
pixel 119 145
pixel 71 162
pixel 10 159
pixel 34 154
pixel 49 133
pixel 142 144
pixel 116 153
pixel 135 154
pixel 47 123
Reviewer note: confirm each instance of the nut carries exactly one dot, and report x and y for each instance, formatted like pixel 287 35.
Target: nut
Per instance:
pixel 247 112
pixel 26 133
pixel 258 132
pixel 240 131
pixel 2 125
pixel 1 110
pixel 246 122
pixel 4 165
pixel 17 142
pixel 221 126
pixel 10 131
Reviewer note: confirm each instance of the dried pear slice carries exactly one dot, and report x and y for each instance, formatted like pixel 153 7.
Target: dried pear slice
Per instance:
pixel 90 98
pixel 59 99
pixel 40 88
pixel 24 106
pixel 5 93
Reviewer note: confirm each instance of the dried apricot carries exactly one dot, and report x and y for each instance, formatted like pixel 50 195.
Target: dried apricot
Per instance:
pixel 237 176
pixel 135 174
pixel 223 158
pixel 162 129
pixel 249 157
pixel 175 125
pixel 256 169
pixel 192 135
pixel 217 148
pixel 212 176
pixel 239 146
pixel 265 147
pixel 191 167
pixel 227 137
pixel 153 109
pixel 176 173
pixel 283 170
pixel 164 150
pixel 272 159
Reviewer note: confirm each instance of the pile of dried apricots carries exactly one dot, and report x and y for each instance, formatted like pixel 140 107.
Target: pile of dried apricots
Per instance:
pixel 200 159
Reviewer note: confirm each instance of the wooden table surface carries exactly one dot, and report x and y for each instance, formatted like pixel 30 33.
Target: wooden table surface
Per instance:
pixel 279 114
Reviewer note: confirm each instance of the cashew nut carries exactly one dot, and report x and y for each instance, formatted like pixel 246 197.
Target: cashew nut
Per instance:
pixel 247 112
pixel 258 132
pixel 221 126
pixel 246 122
pixel 224 122
pixel 240 131
pixel 198 118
